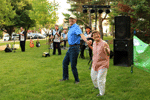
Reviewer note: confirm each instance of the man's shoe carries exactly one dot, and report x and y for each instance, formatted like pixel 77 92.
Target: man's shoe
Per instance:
pixel 76 82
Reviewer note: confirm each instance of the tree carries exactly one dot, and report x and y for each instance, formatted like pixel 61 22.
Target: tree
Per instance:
pixel 26 13
pixel 16 14
pixel 22 19
pixel 66 18
pixel 7 14
pixel 137 10
pixel 43 12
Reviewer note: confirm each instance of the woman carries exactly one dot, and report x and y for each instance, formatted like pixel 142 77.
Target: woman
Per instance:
pixel 101 52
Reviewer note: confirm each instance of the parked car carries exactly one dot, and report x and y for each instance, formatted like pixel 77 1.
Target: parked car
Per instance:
pixel 30 35
pixel 6 37
pixel 15 36
pixel 40 36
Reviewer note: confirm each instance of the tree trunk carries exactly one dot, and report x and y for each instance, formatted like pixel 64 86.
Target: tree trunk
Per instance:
pixel 90 20
pixel 10 29
pixel 100 26
pixel 83 21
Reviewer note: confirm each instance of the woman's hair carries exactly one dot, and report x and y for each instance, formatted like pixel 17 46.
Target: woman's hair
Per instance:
pixel 95 31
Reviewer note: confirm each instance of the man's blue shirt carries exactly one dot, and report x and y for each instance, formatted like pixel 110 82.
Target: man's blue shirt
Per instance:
pixel 74 34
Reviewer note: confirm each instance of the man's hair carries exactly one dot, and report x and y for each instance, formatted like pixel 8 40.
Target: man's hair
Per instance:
pixel 95 31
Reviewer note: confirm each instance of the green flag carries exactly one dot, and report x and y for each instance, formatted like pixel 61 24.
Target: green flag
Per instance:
pixel 141 54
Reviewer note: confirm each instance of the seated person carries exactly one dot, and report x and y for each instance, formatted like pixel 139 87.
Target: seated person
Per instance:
pixel 37 43
pixel 8 49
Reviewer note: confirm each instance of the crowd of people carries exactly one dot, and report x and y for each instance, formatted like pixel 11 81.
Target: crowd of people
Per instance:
pixel 99 51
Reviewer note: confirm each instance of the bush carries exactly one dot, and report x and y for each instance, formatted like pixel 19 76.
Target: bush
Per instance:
pixel 145 37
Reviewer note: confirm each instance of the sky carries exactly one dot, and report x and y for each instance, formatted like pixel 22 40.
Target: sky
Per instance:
pixel 63 6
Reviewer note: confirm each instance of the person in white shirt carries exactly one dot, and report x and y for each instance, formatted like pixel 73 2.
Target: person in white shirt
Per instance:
pixel 22 38
pixel 87 34
pixel 56 35
pixel 64 36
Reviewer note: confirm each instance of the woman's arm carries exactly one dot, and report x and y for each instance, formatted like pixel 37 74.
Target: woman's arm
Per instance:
pixel 91 47
pixel 90 42
pixel 106 47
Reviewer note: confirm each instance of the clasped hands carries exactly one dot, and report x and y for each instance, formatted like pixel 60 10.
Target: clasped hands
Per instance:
pixel 57 34
pixel 21 34
pixel 89 43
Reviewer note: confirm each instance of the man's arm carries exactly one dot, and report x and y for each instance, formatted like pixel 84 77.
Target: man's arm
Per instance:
pixel 58 34
pixel 84 38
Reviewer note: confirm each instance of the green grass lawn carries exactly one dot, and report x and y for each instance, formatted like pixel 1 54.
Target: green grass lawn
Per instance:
pixel 29 76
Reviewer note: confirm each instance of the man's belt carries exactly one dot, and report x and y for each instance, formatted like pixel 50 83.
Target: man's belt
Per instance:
pixel 74 45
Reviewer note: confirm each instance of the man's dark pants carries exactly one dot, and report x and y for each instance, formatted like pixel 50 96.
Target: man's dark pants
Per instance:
pixel 82 51
pixel 58 46
pixel 22 45
pixel 65 43
pixel 71 56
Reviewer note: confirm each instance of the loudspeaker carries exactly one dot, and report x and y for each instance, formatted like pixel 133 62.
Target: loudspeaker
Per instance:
pixel 122 27
pixel 123 52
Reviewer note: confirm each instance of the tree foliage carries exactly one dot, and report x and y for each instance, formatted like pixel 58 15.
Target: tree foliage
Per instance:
pixel 44 13
pixel 138 10
pixel 7 13
pixel 22 8
pixel 15 14
pixel 26 13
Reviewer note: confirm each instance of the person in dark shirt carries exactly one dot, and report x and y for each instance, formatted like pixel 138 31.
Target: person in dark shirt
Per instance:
pixel 22 38
pixel 8 49
pixel 87 34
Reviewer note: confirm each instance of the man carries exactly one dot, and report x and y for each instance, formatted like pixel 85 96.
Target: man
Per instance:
pixel 87 34
pixel 74 35
pixel 56 40
pixel 22 38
